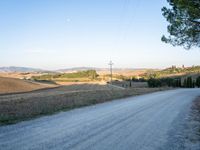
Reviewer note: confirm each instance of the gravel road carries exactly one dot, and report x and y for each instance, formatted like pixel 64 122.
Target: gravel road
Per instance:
pixel 148 122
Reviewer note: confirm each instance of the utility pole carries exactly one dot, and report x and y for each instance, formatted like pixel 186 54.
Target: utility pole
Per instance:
pixel 110 64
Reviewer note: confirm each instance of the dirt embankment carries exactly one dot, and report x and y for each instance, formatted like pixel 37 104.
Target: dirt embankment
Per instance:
pixel 17 107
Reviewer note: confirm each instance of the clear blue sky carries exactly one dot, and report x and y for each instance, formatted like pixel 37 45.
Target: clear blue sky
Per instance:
pixel 53 34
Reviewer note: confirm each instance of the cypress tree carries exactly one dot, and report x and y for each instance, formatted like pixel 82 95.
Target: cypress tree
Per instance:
pixel 185 83
pixel 189 82
pixel 193 84
pixel 179 83
pixel 198 82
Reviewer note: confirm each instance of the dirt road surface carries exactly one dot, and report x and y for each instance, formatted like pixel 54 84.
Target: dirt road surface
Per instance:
pixel 148 122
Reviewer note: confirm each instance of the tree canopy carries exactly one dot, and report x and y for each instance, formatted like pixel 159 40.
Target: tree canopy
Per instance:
pixel 184 23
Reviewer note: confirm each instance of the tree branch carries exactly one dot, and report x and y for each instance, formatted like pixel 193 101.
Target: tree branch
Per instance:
pixel 193 21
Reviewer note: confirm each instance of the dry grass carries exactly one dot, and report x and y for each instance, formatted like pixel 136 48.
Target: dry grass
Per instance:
pixel 16 107
pixel 11 85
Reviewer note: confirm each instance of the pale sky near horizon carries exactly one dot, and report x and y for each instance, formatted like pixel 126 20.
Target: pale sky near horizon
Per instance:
pixel 55 34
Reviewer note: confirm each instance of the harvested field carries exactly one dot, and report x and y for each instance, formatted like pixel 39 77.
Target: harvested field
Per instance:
pixel 17 107
pixel 19 75
pixel 11 85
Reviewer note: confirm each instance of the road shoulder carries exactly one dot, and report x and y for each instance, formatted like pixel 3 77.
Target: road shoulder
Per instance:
pixel 193 126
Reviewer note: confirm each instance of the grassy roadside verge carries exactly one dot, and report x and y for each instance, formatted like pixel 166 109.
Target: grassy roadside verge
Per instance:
pixel 196 117
pixel 190 133
pixel 13 111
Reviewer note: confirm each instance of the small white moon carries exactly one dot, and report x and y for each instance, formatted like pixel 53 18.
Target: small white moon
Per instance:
pixel 68 20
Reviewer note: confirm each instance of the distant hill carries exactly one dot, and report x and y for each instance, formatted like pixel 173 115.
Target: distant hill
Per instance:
pixel 77 69
pixel 19 69
pixel 74 69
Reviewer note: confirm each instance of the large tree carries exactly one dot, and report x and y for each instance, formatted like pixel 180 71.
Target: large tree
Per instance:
pixel 184 23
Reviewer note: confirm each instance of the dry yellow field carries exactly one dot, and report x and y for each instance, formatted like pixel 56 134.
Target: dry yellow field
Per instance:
pixel 12 85
pixel 19 75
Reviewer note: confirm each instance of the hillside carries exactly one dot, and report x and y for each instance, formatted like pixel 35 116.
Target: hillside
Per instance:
pixel 173 72
pixel 11 85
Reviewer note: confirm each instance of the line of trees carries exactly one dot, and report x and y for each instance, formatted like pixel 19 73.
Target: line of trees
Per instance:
pixel 91 74
pixel 174 82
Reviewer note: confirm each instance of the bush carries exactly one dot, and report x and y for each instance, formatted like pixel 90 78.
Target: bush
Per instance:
pixel 170 82
pixel 154 82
